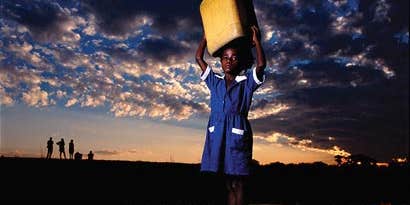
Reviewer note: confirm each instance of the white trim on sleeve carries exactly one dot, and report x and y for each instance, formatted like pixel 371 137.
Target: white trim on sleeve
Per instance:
pixel 206 73
pixel 255 77
pixel 237 131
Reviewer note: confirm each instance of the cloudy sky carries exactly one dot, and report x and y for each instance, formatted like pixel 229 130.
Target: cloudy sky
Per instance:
pixel 119 77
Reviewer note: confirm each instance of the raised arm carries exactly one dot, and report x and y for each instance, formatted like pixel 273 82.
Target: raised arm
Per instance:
pixel 200 54
pixel 260 54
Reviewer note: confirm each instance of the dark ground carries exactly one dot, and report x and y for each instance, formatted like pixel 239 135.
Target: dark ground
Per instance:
pixel 40 181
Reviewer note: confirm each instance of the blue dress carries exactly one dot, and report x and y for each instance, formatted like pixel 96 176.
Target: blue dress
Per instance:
pixel 228 143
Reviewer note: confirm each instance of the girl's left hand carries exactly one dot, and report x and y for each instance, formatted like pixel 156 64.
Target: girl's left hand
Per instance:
pixel 256 36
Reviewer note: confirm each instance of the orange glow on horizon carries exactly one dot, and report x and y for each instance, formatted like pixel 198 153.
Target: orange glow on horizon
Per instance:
pixel 382 164
pixel 400 160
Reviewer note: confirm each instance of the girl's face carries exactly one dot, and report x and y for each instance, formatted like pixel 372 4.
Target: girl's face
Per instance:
pixel 230 61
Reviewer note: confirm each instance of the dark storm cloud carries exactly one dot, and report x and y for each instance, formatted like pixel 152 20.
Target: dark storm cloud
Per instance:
pixel 311 22
pixel 309 17
pixel 363 119
pixel 123 54
pixel 157 49
pixel 298 24
pixel 381 21
pixel 341 42
pixel 326 73
pixel 364 106
pixel 169 17
pixel 161 49
pixel 172 22
pixel 46 21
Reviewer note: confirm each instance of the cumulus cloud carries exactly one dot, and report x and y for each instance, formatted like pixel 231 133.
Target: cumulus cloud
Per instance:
pixel 25 51
pixel 10 77
pixel 36 97
pixel 71 102
pixel 91 101
pixel 115 64
pixel 5 98
pixel 70 58
pixel 267 110
pixel 280 139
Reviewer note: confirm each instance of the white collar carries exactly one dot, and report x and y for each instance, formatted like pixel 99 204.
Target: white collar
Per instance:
pixel 238 78
pixel 222 76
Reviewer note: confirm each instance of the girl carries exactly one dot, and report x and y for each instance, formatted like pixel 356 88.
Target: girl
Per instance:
pixel 228 144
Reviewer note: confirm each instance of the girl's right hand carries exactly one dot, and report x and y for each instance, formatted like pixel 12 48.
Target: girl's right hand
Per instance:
pixel 256 36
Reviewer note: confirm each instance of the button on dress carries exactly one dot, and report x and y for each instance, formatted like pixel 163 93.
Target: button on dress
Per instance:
pixel 228 143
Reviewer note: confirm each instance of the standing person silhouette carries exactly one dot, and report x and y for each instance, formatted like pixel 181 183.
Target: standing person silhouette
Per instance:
pixel 71 149
pixel 61 148
pixel 90 155
pixel 50 144
pixel 228 144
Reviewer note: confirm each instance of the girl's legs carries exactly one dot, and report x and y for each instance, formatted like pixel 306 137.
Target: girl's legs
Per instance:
pixel 235 186
pixel 231 193
pixel 238 187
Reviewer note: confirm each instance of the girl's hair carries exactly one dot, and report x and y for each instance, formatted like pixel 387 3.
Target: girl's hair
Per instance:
pixel 244 49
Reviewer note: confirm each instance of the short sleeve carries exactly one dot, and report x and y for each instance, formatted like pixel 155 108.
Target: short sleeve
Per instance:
pixel 209 77
pixel 253 82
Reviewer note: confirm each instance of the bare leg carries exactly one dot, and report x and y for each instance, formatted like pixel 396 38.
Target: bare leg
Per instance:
pixel 238 190
pixel 231 194
pixel 235 186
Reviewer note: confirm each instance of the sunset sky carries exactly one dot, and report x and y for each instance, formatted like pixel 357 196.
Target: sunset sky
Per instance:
pixel 120 78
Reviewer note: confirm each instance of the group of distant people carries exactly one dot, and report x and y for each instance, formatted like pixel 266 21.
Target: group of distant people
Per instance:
pixel 61 148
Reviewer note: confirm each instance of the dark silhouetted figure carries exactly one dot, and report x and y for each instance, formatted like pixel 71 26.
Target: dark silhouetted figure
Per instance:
pixel 71 149
pixel 78 156
pixel 90 155
pixel 61 145
pixel 50 144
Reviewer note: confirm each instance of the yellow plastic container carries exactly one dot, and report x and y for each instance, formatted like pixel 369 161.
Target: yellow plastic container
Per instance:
pixel 226 20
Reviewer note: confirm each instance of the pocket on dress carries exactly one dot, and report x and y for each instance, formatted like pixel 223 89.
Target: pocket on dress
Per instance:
pixel 239 140
pixel 237 131
pixel 211 129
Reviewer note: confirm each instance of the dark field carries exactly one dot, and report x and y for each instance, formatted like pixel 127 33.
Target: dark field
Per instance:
pixel 40 181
